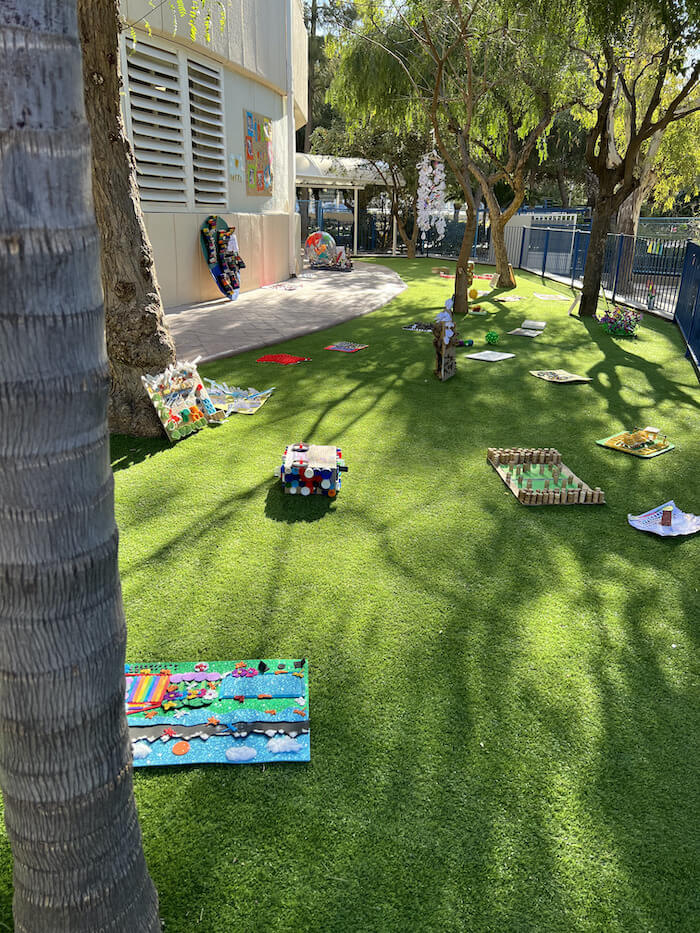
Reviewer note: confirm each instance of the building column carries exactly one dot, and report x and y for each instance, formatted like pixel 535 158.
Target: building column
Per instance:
pixel 354 229
pixel 293 246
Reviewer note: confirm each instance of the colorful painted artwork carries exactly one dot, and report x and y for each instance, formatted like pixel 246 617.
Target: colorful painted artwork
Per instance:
pixel 258 153
pixel 226 712
pixel 182 402
pixel 537 476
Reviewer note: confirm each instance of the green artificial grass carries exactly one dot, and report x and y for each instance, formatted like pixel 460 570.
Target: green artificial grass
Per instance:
pixel 504 699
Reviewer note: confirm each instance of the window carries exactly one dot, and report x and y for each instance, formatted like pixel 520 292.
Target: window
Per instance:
pixel 207 126
pixel 176 117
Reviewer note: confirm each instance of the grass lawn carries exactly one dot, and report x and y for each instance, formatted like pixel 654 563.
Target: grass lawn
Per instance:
pixel 504 700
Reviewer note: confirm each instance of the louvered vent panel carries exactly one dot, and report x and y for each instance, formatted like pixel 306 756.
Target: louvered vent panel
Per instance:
pixel 207 125
pixel 156 119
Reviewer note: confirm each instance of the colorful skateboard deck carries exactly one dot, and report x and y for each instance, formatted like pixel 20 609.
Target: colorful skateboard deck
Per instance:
pixel 227 281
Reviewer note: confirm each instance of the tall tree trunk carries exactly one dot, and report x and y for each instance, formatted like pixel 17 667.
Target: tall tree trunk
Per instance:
pixel 461 305
pixel 630 210
pixel 498 226
pixel 593 271
pixel 65 760
pixel 138 340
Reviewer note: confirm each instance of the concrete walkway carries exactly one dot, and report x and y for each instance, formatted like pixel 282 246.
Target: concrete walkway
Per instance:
pixel 313 301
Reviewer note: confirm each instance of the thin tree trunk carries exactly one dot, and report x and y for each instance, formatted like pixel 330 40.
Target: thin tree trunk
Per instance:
pixel 65 760
pixel 563 192
pixel 138 340
pixel 456 208
pixel 461 304
pixel 593 271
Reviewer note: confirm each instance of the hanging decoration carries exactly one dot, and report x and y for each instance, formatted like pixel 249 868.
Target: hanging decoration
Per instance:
pixel 431 195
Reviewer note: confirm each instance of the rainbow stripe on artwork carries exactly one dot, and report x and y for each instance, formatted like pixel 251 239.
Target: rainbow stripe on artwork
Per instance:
pixel 145 691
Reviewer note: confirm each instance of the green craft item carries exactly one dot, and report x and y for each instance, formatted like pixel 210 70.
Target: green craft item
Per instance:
pixel 491 337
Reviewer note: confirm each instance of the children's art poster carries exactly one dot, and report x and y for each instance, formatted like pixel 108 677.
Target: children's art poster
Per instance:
pixel 258 153
pixel 254 711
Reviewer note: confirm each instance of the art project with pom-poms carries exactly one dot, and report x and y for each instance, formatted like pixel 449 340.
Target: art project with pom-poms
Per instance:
pixel 220 250
pixel 667 521
pixel 230 399
pixel 537 476
pixel 181 401
pixel 311 469
pixel 419 327
pixel 645 442
pixel 225 712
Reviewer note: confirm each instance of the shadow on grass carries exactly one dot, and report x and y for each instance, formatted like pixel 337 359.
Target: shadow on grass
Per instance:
pixel 283 507
pixel 127 451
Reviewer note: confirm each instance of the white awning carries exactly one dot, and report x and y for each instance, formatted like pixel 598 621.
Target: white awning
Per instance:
pixel 321 171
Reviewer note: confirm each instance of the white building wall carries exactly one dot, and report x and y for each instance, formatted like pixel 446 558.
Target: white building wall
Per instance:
pixel 251 53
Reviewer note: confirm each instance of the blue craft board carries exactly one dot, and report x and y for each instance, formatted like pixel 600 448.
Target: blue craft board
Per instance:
pixel 147 730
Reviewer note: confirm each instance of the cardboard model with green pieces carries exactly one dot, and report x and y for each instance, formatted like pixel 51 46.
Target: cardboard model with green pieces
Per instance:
pixel 645 442
pixel 537 476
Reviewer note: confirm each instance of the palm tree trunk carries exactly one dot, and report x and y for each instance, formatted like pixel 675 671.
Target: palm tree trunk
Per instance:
pixel 138 340
pixel 65 764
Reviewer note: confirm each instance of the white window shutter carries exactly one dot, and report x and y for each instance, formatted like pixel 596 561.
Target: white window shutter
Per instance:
pixel 207 129
pixel 155 108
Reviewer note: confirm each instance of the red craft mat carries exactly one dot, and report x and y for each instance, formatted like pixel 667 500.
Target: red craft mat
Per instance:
pixel 284 358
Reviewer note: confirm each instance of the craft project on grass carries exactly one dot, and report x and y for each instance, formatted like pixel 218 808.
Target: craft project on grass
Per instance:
pixel 550 297
pixel 620 322
pixel 311 469
pixel 346 346
pixel 233 399
pixel 489 356
pixel 558 375
pixel 645 442
pixel 225 712
pixel 537 476
pixel 419 327
pixel 285 359
pixel 529 329
pixel 667 520
pixel 180 399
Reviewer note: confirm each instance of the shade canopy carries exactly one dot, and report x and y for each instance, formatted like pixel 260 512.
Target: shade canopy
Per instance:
pixel 321 171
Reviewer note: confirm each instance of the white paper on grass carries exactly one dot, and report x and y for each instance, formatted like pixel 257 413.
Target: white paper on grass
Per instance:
pixel 534 325
pixel 489 356
pixel 525 332
pixel 544 297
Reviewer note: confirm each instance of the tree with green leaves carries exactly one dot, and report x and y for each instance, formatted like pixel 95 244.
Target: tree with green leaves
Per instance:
pixel 645 70
pixel 489 77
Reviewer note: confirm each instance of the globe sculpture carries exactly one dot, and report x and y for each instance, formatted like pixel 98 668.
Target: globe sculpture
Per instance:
pixel 320 248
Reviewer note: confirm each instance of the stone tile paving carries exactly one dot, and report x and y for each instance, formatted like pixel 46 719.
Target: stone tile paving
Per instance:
pixel 270 315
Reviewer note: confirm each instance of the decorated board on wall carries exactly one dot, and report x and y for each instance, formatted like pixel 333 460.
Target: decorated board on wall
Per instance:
pixel 226 712
pixel 257 136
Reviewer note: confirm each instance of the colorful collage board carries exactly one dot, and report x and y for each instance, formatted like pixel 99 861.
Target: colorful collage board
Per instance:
pixel 227 712
pixel 257 135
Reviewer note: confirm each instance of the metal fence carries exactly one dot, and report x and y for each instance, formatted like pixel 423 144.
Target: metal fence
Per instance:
pixel 688 307
pixel 639 271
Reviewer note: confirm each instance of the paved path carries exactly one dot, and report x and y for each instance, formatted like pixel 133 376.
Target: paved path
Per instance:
pixel 270 315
